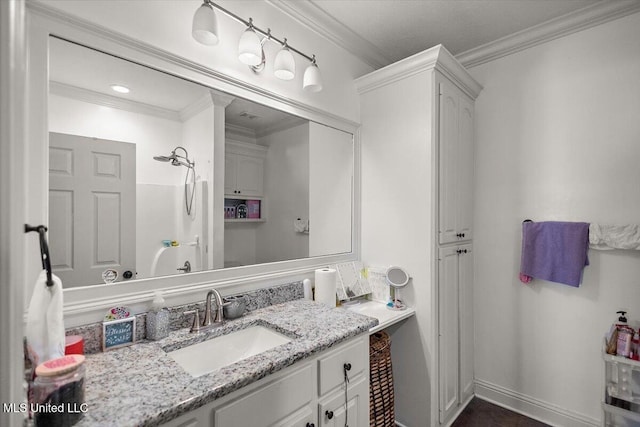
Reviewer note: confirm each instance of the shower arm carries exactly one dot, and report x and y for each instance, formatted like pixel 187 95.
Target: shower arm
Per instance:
pixel 175 161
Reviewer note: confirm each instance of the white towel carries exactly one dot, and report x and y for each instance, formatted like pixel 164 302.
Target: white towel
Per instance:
pixel 606 237
pixel 301 225
pixel 45 326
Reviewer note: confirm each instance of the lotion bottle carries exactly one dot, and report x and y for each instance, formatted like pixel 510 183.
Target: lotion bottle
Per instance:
pixel 625 335
pixel 157 319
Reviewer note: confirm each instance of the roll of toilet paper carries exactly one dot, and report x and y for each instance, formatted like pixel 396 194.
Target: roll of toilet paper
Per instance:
pixel 306 286
pixel 326 286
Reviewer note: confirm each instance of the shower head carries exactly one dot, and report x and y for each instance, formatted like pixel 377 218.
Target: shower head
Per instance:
pixel 175 158
pixel 163 158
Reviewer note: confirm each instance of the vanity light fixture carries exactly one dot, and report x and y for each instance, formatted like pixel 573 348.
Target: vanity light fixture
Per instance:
pixel 205 25
pixel 250 46
pixel 284 64
pixel 120 89
pixel 311 80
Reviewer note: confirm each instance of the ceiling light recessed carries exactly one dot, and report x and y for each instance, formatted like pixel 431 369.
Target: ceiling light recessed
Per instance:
pixel 120 88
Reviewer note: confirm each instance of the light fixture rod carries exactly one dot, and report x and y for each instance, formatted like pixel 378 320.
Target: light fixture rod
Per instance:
pixel 267 34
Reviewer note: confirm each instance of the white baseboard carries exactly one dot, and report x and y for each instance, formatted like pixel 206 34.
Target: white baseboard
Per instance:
pixel 400 424
pixel 533 408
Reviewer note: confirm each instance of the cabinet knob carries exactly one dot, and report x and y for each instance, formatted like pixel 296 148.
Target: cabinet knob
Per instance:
pixel 465 251
pixel 459 251
pixel 311 425
pixel 347 366
pixel 329 414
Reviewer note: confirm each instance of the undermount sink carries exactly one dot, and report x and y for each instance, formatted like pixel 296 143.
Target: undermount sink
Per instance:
pixel 208 356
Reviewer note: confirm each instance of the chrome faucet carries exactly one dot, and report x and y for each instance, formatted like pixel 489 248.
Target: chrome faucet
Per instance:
pixel 207 309
pixel 207 323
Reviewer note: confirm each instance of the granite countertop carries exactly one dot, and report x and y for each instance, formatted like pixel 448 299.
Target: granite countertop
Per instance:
pixel 141 385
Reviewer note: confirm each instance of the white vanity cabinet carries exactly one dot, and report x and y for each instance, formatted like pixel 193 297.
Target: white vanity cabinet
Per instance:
pixel 244 169
pixel 308 394
pixel 455 332
pixel 455 163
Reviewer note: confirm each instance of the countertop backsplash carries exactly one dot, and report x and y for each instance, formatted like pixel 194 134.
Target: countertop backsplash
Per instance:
pixel 259 298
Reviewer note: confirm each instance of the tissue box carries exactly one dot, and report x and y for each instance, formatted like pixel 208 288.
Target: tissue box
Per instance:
pixel 253 209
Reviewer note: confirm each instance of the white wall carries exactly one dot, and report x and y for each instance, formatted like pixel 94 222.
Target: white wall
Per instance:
pixel 397 226
pixel 198 138
pixel 330 187
pixel 153 136
pixel 286 190
pixel 557 139
pixel 167 25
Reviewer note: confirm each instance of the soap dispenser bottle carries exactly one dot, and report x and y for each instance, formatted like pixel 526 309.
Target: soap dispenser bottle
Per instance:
pixel 612 336
pixel 625 335
pixel 157 319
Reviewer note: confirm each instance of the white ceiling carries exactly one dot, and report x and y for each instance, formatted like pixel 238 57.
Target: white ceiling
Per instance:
pixel 76 66
pixel 385 31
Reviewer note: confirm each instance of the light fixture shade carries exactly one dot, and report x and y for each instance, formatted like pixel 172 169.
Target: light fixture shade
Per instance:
pixel 250 48
pixel 284 64
pixel 205 25
pixel 312 80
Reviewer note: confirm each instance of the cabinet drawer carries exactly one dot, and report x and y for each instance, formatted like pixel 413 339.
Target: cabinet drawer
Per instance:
pixel 333 412
pixel 269 404
pixel 331 367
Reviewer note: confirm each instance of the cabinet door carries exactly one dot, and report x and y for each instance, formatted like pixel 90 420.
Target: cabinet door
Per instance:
pixel 200 417
pixel 465 169
pixel 448 148
pixel 272 404
pixel 230 172
pixel 456 166
pixel 448 328
pixel 465 291
pixel 249 176
pixel 333 412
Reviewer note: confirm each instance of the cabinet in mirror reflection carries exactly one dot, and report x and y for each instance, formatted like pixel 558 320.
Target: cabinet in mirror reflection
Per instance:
pixel 288 180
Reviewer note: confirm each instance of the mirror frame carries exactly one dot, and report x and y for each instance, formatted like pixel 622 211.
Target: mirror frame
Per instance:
pixel 86 304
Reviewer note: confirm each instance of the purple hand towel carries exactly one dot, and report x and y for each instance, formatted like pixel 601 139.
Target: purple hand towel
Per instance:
pixel 555 251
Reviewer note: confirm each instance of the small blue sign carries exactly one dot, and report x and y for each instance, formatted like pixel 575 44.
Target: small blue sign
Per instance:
pixel 118 333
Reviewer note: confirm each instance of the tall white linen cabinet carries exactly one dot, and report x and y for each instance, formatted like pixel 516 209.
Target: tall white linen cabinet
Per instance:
pixel 417 136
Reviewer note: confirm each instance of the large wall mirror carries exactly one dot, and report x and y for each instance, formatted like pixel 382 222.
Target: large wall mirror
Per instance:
pixel 135 187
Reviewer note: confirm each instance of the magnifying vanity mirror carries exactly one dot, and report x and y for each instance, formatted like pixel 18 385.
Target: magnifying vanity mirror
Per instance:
pixel 397 278
pixel 143 181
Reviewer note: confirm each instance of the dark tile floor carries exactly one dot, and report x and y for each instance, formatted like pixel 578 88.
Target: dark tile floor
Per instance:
pixel 480 413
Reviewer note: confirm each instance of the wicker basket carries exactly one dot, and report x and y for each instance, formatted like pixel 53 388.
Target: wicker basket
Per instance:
pixel 381 381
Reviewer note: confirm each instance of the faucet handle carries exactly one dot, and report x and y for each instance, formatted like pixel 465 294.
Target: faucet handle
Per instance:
pixel 195 327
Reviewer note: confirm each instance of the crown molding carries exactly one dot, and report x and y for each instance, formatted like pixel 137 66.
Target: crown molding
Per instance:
pixel 579 20
pixel 315 18
pixel 238 132
pixel 436 58
pixel 97 98
pixel 196 107
pixel 282 125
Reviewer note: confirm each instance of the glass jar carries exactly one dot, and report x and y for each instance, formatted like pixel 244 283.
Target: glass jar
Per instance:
pixel 58 392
